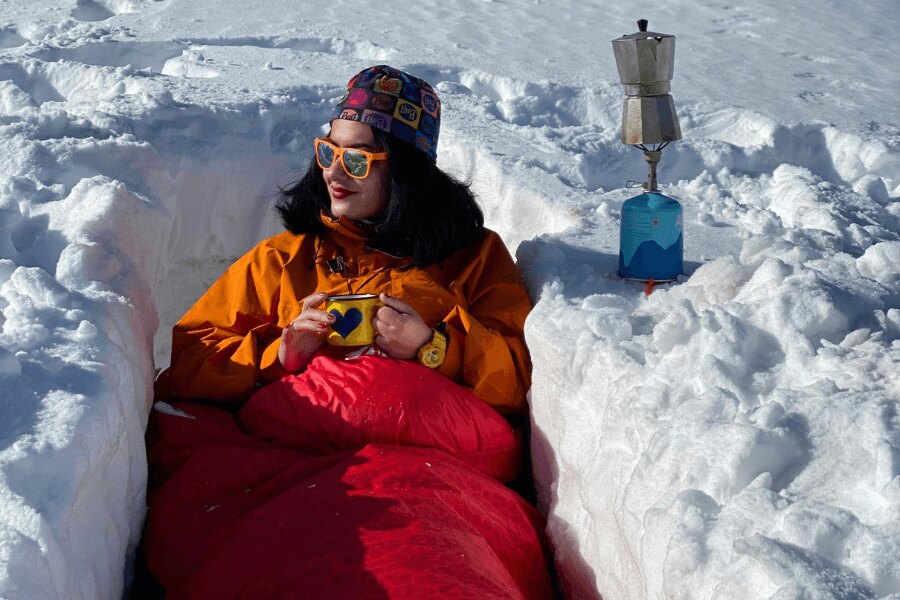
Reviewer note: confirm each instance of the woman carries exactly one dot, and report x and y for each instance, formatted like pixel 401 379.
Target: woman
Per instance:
pixel 373 214
pixel 329 474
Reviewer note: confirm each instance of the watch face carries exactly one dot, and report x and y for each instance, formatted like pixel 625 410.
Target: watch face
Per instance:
pixel 431 357
pixel 432 353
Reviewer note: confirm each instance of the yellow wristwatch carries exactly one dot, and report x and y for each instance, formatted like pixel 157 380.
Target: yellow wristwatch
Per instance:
pixel 432 352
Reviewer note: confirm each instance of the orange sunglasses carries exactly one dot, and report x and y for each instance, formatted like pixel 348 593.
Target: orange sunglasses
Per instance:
pixel 357 163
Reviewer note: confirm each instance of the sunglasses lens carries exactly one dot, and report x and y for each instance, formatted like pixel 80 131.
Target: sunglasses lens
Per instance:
pixel 356 162
pixel 325 154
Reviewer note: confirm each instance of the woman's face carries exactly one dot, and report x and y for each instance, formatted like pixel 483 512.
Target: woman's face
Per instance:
pixel 356 199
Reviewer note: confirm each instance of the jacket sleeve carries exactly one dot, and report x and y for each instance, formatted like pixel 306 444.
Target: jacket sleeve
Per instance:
pixel 487 342
pixel 227 343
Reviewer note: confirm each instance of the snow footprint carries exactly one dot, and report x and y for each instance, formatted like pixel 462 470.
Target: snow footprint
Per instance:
pixel 521 102
pixel 101 10
pixel 139 55
pixel 32 82
pixel 88 10
pixel 10 38
pixel 364 50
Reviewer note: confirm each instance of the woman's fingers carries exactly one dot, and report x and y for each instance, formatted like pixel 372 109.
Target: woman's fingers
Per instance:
pixel 303 337
pixel 392 347
pixel 384 327
pixel 313 300
pixel 397 304
pixel 312 320
pixel 388 316
pixel 313 316
pixel 313 326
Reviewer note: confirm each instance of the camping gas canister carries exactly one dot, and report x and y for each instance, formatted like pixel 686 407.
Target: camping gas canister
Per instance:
pixel 651 244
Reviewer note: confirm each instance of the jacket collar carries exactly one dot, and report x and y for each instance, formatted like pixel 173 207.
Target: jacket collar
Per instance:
pixel 359 233
pixel 354 233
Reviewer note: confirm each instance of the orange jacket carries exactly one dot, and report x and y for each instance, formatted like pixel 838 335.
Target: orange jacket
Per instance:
pixel 226 345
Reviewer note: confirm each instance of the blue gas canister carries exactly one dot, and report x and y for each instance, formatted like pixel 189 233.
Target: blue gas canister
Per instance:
pixel 651 245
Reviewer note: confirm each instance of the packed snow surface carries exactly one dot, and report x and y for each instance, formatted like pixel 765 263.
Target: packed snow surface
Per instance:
pixel 732 435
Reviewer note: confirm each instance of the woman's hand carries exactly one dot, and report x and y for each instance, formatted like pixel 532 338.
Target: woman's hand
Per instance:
pixel 304 335
pixel 401 331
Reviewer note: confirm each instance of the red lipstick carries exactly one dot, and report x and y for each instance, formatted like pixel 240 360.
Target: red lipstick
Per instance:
pixel 340 193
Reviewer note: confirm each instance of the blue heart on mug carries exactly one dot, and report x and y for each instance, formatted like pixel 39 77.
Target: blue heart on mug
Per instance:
pixel 346 323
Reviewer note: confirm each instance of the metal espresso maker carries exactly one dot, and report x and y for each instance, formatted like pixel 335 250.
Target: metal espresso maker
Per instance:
pixel 651 247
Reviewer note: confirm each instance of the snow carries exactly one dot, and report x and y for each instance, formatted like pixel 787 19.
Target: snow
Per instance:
pixel 734 435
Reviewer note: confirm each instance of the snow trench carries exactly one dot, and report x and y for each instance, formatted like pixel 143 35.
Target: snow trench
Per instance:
pixel 115 222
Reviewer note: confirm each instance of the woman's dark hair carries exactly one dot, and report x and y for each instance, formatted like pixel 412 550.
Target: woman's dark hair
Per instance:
pixel 429 216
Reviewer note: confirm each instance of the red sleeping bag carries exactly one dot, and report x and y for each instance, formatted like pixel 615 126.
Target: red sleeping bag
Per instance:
pixel 365 478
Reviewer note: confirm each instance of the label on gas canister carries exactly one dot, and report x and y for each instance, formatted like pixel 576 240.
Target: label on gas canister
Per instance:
pixel 651 243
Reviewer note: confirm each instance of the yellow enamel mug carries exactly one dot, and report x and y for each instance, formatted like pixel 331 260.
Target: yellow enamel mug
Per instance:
pixel 352 319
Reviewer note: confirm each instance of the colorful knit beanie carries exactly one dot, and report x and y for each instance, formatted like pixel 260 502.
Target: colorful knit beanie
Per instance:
pixel 395 102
